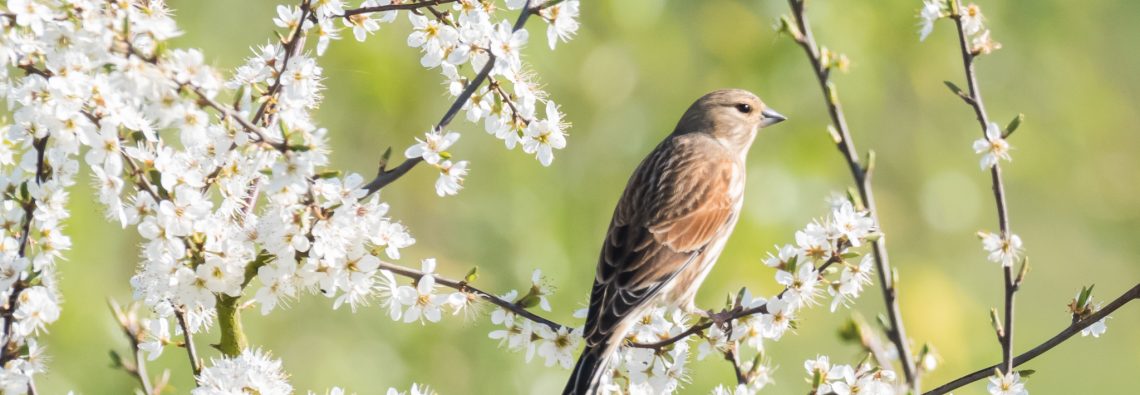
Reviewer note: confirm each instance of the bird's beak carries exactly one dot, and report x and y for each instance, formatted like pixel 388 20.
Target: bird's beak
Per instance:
pixel 771 117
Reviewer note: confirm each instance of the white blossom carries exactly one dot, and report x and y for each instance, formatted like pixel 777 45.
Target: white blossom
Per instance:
pixel 993 147
pixel 1007 384
pixel 1003 250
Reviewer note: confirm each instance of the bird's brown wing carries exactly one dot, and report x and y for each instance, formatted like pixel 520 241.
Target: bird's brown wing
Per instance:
pixel 676 204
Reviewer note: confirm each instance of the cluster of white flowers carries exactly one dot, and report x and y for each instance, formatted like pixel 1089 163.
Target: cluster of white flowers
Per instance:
pixel 223 194
pixel 557 346
pixel 256 372
pixel 846 380
pixel 822 243
pixel 253 371
pixel 648 370
pixel 973 23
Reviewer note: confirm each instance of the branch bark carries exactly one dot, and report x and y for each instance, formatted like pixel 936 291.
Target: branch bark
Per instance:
pixel 188 341
pixel 975 101
pixel 861 174
pixel 462 286
pixel 384 176
pixel 1065 334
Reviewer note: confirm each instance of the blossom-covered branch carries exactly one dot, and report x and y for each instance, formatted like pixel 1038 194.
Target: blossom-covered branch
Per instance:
pixel 1006 245
pixel 823 61
pixel 1079 325
pixel 226 201
pixel 659 339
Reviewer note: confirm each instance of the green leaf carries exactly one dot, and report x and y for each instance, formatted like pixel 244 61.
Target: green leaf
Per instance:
pixel 116 360
pixel 328 174
pixel 1086 293
pixel 472 274
pixel 954 88
pixel 1016 122
pixel 1026 372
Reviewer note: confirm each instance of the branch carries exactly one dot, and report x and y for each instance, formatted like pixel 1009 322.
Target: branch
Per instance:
pixel 731 357
pixel 132 331
pixel 462 286
pixel 896 333
pixel 195 363
pixel 728 314
pixel 292 48
pixel 1072 329
pixel 968 57
pixel 11 348
pixel 394 7
pixel 384 176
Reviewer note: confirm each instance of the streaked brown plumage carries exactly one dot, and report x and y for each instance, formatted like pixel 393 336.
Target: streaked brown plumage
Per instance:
pixel 671 223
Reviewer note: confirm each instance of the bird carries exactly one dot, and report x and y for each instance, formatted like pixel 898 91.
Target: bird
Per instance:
pixel 671 223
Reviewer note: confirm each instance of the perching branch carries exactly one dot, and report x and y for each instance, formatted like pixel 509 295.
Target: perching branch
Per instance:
pixel 1065 334
pixel 975 96
pixel 896 333
pixel 394 7
pixel 725 316
pixel 462 286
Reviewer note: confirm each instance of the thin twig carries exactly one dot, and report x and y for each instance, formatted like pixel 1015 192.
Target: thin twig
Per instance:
pixel 394 7
pixel 975 101
pixel 385 177
pixel 462 286
pixel 188 341
pixel 292 48
pixel 731 357
pixel 896 333
pixel 1068 332
pixel 131 331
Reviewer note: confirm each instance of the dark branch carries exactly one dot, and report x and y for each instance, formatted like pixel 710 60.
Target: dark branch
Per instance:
pixel 394 7
pixel 462 286
pixel 1070 331
pixel 188 341
pixel 385 177
pixel 975 95
pixel 731 314
pixel 862 176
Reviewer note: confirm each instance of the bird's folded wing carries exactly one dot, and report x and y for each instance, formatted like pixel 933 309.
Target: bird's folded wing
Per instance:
pixel 656 232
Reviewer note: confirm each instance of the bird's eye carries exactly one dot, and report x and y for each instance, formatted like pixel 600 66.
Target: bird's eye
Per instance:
pixel 744 108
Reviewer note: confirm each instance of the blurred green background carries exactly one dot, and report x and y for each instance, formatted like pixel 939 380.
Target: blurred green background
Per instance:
pixel 623 82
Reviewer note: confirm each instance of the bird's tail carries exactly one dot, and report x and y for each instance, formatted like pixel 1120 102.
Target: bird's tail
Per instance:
pixel 587 375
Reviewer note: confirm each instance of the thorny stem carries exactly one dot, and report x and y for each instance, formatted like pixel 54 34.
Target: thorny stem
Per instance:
pixel 975 101
pixel 896 333
pixel 1073 329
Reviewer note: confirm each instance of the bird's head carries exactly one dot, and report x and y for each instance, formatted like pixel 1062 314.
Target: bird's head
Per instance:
pixel 730 115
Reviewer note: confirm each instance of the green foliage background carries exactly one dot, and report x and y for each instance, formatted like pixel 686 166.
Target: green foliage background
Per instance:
pixel 623 82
